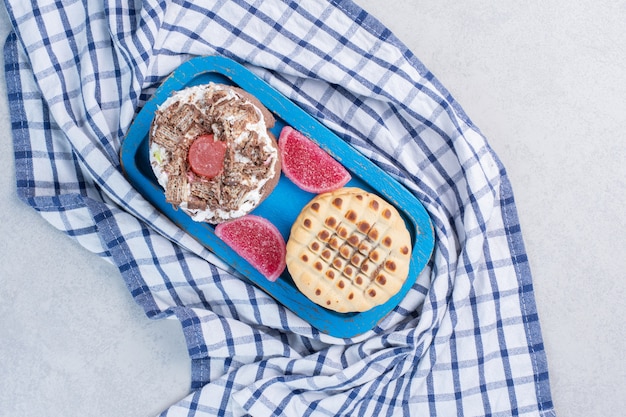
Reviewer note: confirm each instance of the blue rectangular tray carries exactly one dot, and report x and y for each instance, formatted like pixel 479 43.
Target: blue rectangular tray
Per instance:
pixel 287 200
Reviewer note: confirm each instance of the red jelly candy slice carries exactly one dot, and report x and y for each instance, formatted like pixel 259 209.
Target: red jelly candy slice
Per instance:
pixel 257 241
pixel 307 165
pixel 206 156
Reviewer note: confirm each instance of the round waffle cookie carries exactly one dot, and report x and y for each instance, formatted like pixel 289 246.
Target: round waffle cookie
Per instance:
pixel 349 250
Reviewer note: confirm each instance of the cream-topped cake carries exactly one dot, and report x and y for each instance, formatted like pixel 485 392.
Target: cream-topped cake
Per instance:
pixel 212 152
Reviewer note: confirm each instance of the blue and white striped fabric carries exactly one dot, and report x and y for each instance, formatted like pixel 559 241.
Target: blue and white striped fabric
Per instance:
pixel 466 339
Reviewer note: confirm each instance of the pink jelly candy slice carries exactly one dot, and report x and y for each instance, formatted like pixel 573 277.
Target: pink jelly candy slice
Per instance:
pixel 206 156
pixel 307 165
pixel 257 241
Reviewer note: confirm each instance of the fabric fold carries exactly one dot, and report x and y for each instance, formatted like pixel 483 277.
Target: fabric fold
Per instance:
pixel 465 340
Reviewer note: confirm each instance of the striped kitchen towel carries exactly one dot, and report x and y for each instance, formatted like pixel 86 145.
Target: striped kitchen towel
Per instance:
pixel 465 340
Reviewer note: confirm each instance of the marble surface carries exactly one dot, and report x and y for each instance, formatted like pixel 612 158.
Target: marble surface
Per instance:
pixel 544 81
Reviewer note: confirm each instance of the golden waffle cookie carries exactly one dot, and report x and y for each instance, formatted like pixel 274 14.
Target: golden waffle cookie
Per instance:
pixel 349 250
